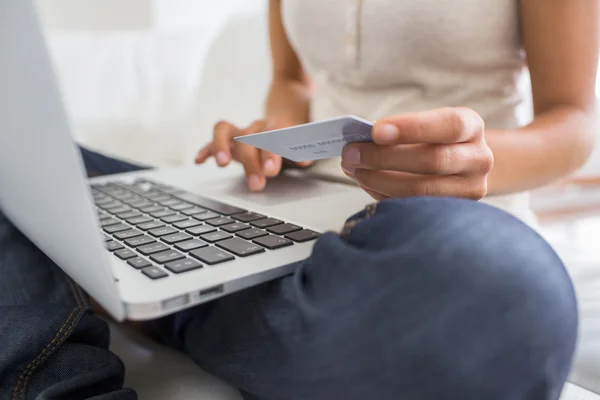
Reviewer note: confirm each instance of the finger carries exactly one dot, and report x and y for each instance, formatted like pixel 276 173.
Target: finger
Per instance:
pixel 256 127
pixel 305 164
pixel 297 164
pixel 250 158
pixel 376 195
pixel 401 184
pixel 444 125
pixel 445 159
pixel 204 154
pixel 224 132
pixel 271 163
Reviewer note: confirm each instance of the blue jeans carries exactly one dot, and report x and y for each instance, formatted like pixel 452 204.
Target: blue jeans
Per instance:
pixel 423 298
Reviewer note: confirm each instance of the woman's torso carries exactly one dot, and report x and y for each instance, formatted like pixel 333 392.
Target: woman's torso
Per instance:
pixel 375 58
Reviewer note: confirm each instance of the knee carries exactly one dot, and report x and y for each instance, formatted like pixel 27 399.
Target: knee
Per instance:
pixel 478 253
pixel 470 282
pixel 498 278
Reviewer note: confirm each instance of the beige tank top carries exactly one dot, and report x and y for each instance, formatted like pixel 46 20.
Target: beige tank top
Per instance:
pixel 376 58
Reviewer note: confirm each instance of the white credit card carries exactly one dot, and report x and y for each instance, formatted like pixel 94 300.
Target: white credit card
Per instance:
pixel 312 141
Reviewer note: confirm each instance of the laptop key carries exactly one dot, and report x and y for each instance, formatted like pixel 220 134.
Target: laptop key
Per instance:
pixel 106 238
pixel 273 242
pixel 221 208
pixel 158 197
pixel 206 216
pixel 169 202
pixel 200 230
pixel 188 223
pixel 248 216
pixel 103 201
pixel 190 245
pixel 304 235
pixel 193 211
pixel 113 246
pixel 165 212
pixel 146 226
pixel 139 263
pixel 116 228
pixel 152 248
pixel 166 256
pixel 252 233
pixel 181 266
pixel 220 221
pixel 240 247
pixel 139 241
pixel 182 206
pixel 165 230
pixel 175 238
pixel 232 228
pixel 150 209
pixel 212 255
pixel 215 236
pixel 129 215
pixel 142 219
pixel 134 200
pixel 109 221
pixel 154 273
pixel 120 210
pixel 128 234
pixel 284 228
pixel 125 254
pixel 139 204
pixel 266 222
pixel 173 218
pixel 111 205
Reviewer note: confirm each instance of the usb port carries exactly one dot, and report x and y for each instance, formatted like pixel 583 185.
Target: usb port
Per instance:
pixel 212 291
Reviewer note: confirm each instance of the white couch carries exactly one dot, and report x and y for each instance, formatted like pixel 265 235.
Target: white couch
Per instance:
pixel 147 83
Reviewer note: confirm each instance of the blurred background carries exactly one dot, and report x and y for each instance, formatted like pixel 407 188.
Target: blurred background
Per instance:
pixel 147 79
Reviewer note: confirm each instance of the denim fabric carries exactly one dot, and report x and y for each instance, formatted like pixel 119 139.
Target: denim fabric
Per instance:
pixel 424 298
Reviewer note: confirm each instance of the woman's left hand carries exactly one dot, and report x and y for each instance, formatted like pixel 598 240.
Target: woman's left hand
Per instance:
pixel 434 153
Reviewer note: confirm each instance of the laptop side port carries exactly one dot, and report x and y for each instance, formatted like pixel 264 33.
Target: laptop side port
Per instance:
pixel 212 291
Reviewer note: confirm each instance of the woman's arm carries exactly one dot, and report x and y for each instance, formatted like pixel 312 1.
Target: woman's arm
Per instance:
pixel 287 104
pixel 561 42
pixel 288 99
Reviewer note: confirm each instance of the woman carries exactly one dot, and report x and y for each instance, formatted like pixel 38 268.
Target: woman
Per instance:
pixel 402 63
pixel 420 298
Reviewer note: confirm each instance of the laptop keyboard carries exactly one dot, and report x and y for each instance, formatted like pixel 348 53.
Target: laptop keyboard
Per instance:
pixel 162 231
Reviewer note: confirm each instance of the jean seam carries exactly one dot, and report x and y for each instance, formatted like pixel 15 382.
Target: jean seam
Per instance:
pixel 370 210
pixel 20 389
pixel 84 300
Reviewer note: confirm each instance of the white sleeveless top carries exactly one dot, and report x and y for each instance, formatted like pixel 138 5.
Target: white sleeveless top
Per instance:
pixel 376 58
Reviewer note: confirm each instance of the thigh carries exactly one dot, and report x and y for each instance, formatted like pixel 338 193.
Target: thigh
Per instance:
pixel 419 299
pixel 52 345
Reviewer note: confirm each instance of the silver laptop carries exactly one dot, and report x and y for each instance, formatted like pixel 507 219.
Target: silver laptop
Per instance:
pixel 142 248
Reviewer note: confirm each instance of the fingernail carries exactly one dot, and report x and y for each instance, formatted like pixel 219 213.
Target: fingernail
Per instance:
pixel 269 166
pixel 351 155
pixel 387 132
pixel 254 183
pixel 222 158
pixel 348 170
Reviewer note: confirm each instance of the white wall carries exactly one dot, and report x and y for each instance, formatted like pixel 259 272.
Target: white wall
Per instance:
pixel 119 15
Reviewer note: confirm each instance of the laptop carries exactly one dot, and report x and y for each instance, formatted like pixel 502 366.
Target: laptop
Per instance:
pixel 143 245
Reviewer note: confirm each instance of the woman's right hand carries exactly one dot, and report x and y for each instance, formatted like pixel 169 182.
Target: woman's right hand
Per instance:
pixel 258 164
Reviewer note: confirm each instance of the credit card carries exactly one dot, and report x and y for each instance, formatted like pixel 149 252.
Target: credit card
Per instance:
pixel 312 141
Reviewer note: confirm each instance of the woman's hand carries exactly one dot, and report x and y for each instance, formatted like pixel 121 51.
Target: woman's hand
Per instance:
pixel 435 153
pixel 258 164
